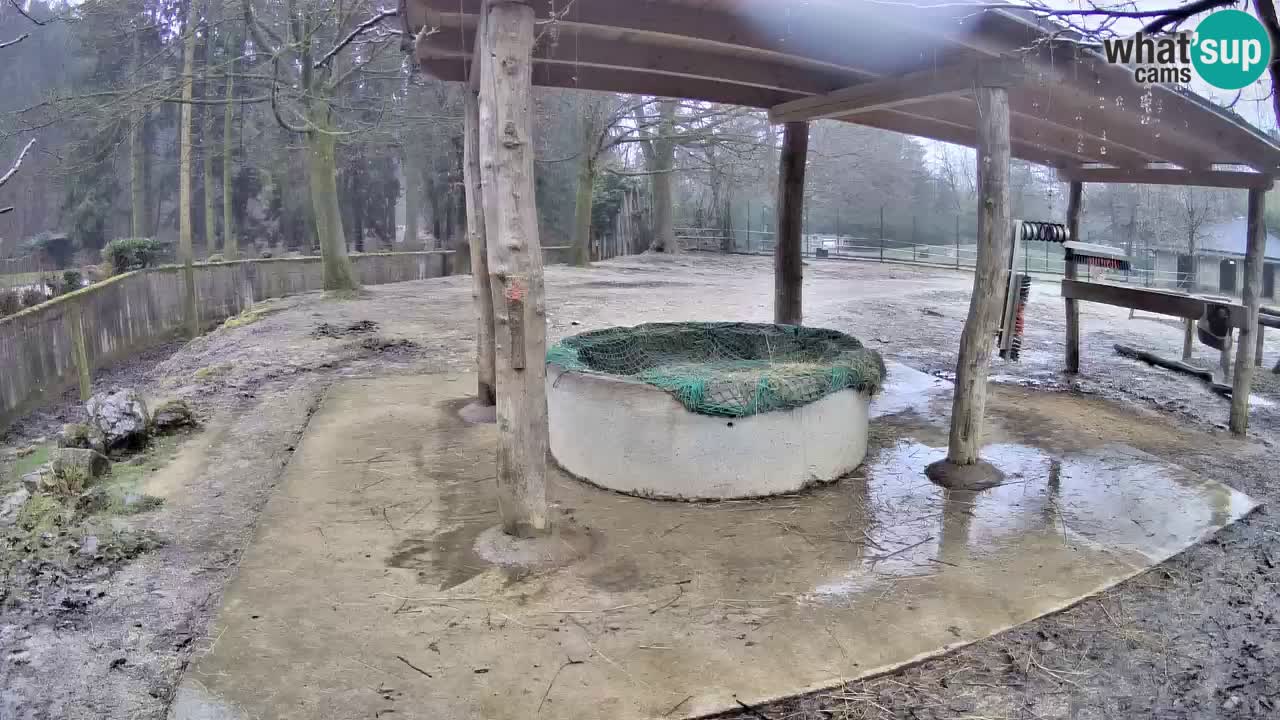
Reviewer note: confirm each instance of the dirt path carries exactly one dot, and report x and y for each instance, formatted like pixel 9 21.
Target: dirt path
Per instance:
pixel 1196 638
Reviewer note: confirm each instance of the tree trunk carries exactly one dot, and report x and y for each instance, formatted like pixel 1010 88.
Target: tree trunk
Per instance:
pixel 139 207
pixel 412 171
pixel 1251 297
pixel 481 294
pixel 788 264
pixel 185 247
pixel 515 266
pixel 210 189
pixel 586 183
pixel 664 152
pixel 1075 201
pixel 992 266
pixel 230 244
pixel 322 170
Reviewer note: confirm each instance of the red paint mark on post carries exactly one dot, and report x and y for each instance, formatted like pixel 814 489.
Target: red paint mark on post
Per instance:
pixel 516 290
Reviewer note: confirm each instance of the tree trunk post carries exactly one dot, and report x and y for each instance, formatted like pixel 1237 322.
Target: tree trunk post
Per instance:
pixel 190 318
pixel 515 265
pixel 1261 342
pixel 1251 295
pixel 788 266
pixel 481 295
pixel 1075 198
pixel 994 245
pixel 1188 339
pixel 75 325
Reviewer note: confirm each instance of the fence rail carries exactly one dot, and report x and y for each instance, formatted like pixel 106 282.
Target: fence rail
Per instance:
pixel 55 345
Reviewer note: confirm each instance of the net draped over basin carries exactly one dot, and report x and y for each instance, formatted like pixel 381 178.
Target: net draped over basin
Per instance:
pixel 710 410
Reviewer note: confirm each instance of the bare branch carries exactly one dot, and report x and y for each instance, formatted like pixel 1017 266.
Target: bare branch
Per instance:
pixel 14 41
pixel 24 13
pixel 17 163
pixel 357 32
pixel 275 103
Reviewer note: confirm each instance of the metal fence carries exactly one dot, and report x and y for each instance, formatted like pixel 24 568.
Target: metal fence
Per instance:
pixel 1035 257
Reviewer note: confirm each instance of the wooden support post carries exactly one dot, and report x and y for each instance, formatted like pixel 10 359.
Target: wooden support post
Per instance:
pixel 988 279
pixel 788 267
pixel 1251 297
pixel 75 326
pixel 481 295
pixel 515 265
pixel 1261 341
pixel 1188 339
pixel 1075 198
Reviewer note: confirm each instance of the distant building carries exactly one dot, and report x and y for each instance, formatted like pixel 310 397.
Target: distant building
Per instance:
pixel 1218 261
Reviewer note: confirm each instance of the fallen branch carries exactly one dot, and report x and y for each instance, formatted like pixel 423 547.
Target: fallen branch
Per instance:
pixel 1176 366
pixel 17 163
pixel 14 41
pixel 415 667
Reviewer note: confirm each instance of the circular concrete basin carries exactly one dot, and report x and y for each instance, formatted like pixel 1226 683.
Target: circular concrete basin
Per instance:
pixel 636 437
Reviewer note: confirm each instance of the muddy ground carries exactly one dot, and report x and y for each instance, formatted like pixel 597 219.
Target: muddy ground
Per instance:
pixel 1197 637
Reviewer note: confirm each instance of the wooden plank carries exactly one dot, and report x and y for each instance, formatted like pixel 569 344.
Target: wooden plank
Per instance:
pixel 1148 300
pixel 1023 129
pixel 1075 199
pixel 1168 176
pixel 515 266
pixel 788 268
pixel 887 92
pixel 1251 294
pixel 634 82
pixel 897 121
pixel 970 398
pixel 481 294
pixel 607 48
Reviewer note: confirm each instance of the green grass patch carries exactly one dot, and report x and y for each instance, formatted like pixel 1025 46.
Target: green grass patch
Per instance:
pixel 120 493
pixel 32 462
pixel 212 371
pixel 250 316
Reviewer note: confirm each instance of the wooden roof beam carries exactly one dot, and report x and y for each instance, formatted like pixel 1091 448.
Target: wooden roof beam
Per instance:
pixel 888 92
pixel 902 122
pixel 1168 176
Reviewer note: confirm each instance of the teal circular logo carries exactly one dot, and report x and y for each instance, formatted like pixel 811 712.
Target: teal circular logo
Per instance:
pixel 1231 49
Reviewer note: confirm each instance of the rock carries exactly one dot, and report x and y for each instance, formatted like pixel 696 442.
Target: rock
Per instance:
pixel 79 464
pixel 12 505
pixel 121 416
pixel 171 416
pixel 79 435
pixel 89 546
pixel 23 452
pixel 35 481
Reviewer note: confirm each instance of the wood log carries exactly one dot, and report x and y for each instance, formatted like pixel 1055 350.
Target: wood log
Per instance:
pixel 994 246
pixel 515 265
pixel 788 269
pixel 1251 297
pixel 481 295
pixel 1180 367
pixel 1075 199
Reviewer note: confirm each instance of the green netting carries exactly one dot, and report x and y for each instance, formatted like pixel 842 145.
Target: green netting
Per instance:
pixel 727 369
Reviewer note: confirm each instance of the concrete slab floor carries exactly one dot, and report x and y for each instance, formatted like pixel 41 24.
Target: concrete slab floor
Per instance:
pixel 367 593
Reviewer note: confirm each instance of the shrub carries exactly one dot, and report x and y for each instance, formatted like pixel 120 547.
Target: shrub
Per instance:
pixel 10 301
pixel 33 296
pixel 72 280
pixel 127 254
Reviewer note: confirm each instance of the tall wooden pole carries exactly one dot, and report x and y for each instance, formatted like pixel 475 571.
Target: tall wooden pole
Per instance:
pixel 788 267
pixel 994 246
pixel 1075 197
pixel 1251 295
pixel 481 295
pixel 515 265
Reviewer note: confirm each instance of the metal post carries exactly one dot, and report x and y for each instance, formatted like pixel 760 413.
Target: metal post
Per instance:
pixel 957 242
pixel 881 233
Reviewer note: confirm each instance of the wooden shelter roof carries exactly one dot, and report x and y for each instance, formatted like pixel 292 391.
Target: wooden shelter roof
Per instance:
pixel 898 66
